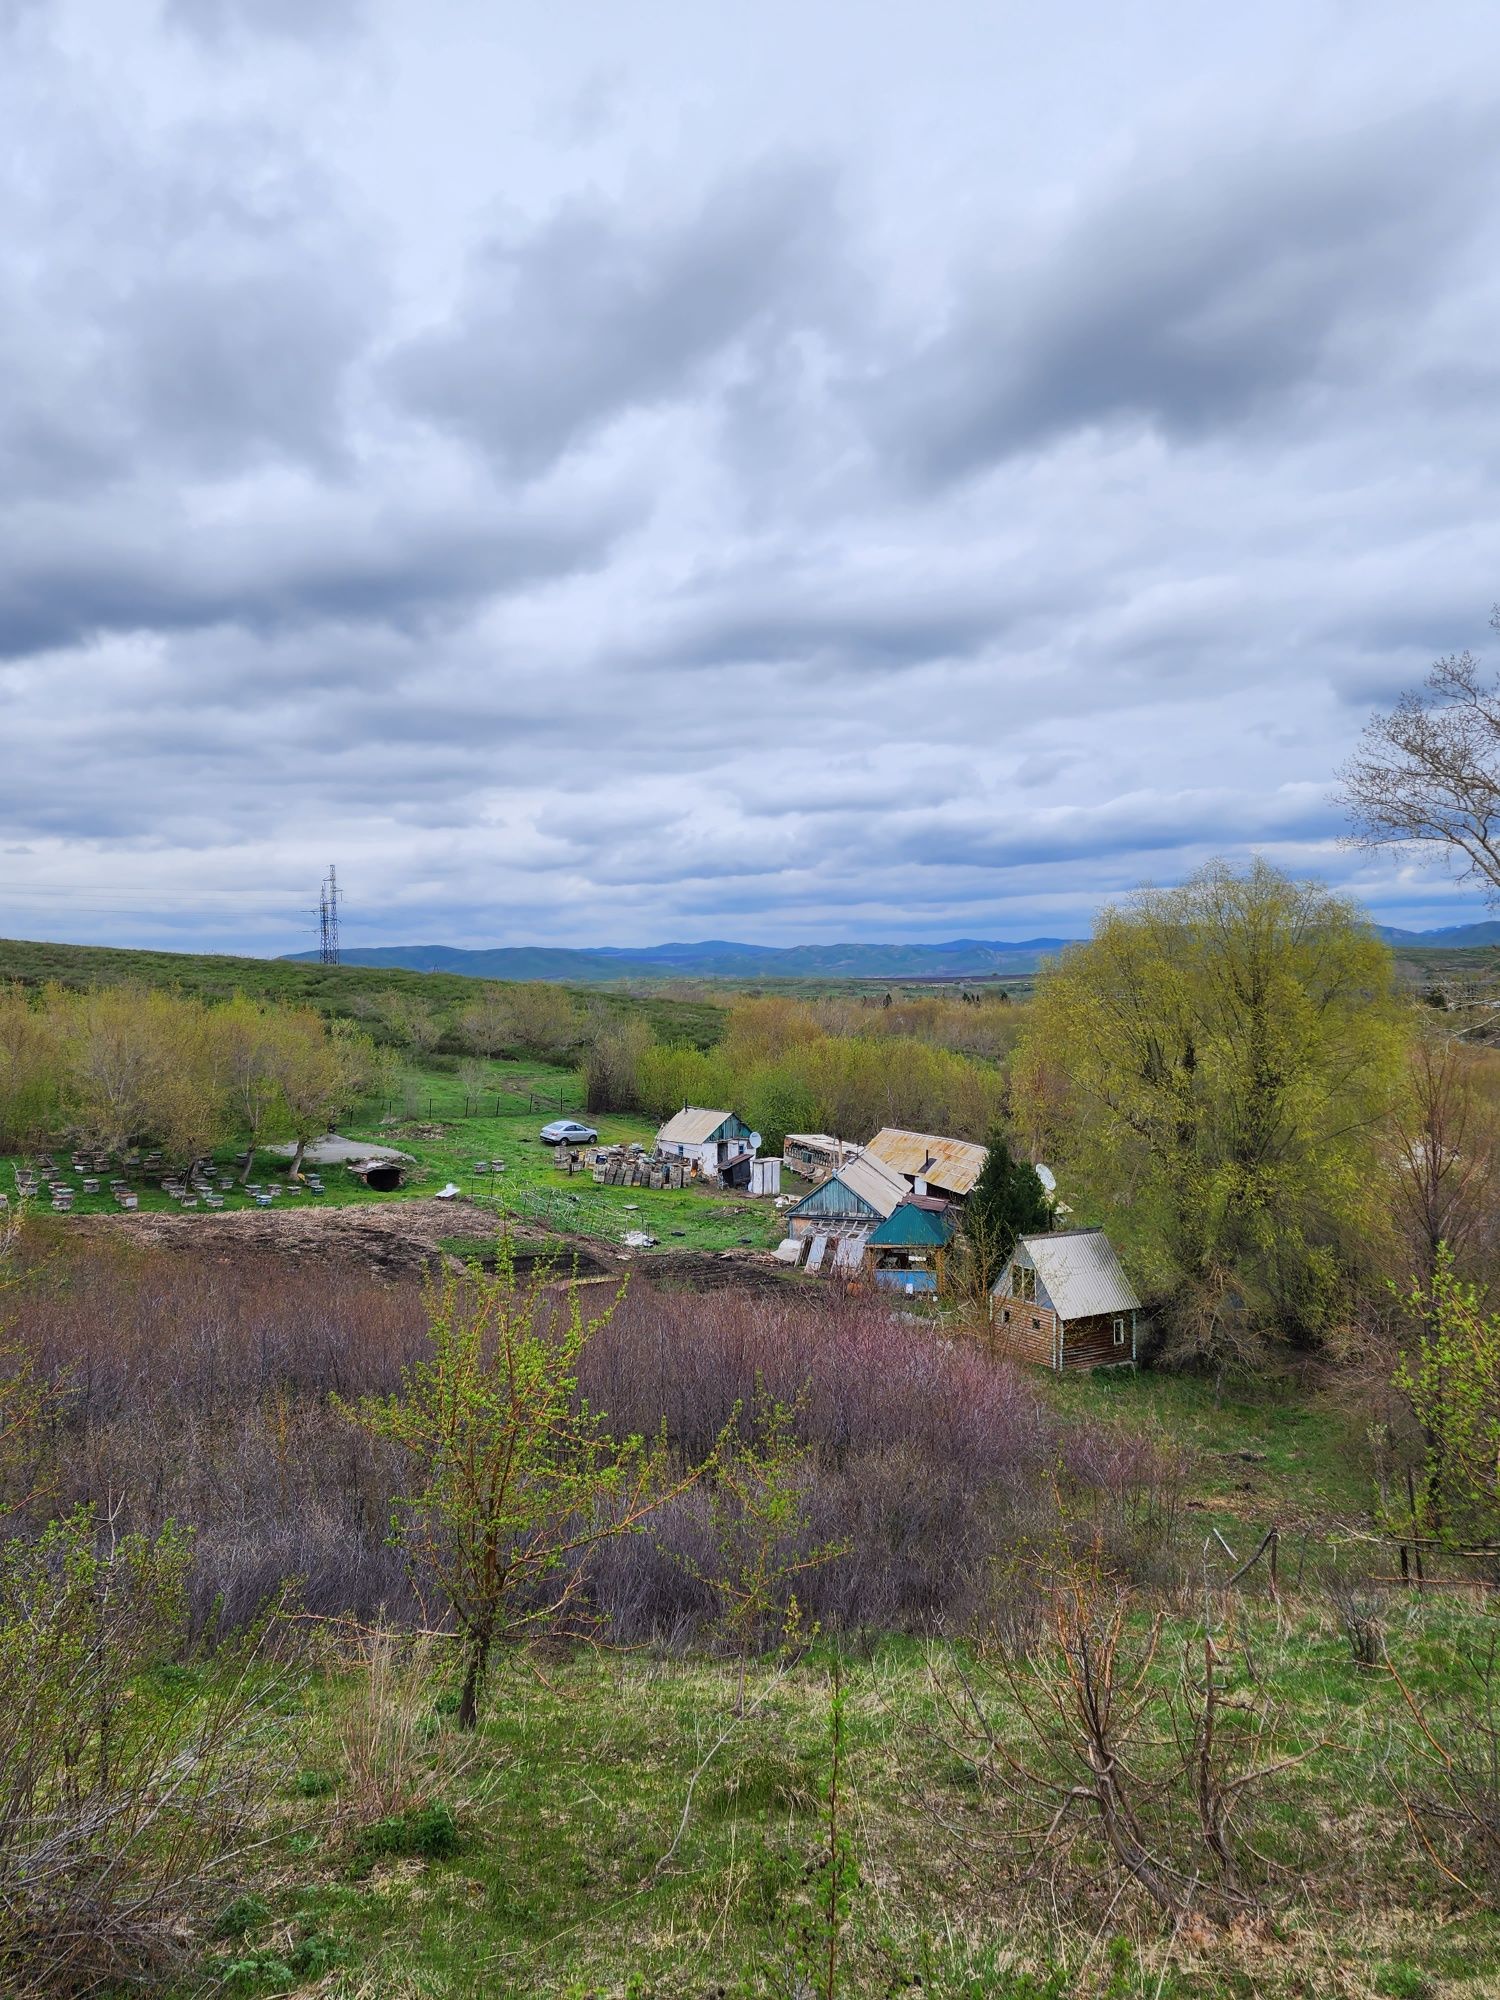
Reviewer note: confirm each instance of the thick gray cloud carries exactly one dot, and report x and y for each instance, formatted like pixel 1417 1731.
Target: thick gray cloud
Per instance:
pixel 1200 291
pixel 795 483
pixel 595 313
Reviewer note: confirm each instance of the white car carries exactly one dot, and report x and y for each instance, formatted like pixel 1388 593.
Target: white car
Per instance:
pixel 567 1132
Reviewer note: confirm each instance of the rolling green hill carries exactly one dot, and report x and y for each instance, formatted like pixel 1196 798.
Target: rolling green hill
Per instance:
pixel 339 990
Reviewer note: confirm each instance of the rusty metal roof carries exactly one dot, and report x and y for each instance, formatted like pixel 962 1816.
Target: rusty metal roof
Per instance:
pixel 953 1164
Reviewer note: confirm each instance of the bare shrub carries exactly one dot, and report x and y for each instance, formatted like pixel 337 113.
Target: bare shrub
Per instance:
pixel 202 1392
pixel 1452 1789
pixel 1097 1754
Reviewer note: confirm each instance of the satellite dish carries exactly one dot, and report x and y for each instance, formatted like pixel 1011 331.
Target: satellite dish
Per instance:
pixel 1047 1178
pixel 755 1141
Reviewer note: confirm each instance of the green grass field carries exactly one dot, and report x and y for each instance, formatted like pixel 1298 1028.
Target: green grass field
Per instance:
pixel 614 1830
pixel 447 1134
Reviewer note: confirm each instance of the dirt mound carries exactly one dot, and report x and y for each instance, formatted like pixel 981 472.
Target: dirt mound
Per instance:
pixel 392 1239
pixel 398 1239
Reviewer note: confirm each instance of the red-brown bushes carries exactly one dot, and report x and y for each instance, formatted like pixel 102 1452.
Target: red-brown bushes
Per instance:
pixel 203 1392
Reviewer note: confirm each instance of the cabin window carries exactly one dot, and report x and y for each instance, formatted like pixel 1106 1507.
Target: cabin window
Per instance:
pixel 1119 1333
pixel 1023 1282
pixel 1036 1323
pixel 1005 1316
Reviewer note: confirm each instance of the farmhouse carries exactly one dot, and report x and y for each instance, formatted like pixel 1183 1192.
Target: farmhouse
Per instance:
pixel 847 1206
pixel 907 1252
pixel 929 1163
pixel 721 1146
pixel 1064 1302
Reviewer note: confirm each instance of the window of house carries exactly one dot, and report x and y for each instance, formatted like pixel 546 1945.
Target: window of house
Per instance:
pixel 1036 1323
pixel 1023 1282
pixel 1005 1316
pixel 1119 1333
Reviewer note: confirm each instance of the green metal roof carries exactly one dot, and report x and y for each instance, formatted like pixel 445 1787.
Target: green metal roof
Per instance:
pixel 911 1228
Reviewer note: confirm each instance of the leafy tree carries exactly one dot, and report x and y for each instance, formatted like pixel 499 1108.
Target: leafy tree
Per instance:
pixel 1007 1201
pixel 1232 1051
pixel 487 1024
pixel 142 1064
pixel 247 1032
pixel 545 1020
pixel 320 1067
pixel 30 1067
pixel 1451 1377
pixel 515 1479
pixel 612 1063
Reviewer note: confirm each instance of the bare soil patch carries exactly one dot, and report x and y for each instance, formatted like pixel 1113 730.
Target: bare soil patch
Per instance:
pixel 399 1239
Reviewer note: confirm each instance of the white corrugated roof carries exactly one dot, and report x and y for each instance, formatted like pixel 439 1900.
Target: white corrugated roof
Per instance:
pixel 691 1126
pixel 1081 1273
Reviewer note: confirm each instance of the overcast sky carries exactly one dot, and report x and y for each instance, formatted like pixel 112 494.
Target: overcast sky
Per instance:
pixel 605 473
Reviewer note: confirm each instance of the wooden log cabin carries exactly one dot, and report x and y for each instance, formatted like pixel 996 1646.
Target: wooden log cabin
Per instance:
pixel 1063 1301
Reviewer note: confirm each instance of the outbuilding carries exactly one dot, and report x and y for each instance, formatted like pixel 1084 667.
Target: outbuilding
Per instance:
pixel 720 1145
pixel 907 1252
pixel 1063 1301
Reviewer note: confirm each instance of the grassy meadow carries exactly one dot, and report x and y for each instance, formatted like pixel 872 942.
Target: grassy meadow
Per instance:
pixel 448 1131
pixel 617 1830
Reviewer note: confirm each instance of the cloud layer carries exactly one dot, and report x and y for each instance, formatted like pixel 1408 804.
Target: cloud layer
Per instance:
pixel 603 503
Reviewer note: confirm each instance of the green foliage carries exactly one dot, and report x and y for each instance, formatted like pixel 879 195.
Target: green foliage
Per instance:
pixel 430 1833
pixel 1007 1201
pixel 1210 1074
pixel 1450 1375
pixel 517 1479
pixel 345 992
pixel 120 1795
pixel 758 1525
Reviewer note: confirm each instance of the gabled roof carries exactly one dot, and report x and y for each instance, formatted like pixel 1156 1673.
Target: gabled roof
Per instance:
pixel 695 1127
pixel 867 1180
pixel 1080 1272
pixel 913 1225
pixel 954 1164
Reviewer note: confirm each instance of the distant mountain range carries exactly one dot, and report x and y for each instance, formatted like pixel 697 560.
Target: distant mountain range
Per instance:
pixel 964 958
pixel 715 958
pixel 1455 937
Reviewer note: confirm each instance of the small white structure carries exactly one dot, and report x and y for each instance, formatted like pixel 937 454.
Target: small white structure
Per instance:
pixel 765 1175
pixel 721 1146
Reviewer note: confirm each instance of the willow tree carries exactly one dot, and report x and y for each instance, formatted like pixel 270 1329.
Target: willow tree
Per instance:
pixel 1232 1050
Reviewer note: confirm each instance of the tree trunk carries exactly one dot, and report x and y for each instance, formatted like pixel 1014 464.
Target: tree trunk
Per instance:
pixel 294 1172
pixel 468 1701
pixel 249 1166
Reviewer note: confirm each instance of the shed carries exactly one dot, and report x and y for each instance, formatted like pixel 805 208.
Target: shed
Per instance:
pixel 928 1162
pixel 816 1155
pixel 1064 1301
pixel 860 1194
pixel 908 1250
pixel 718 1143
